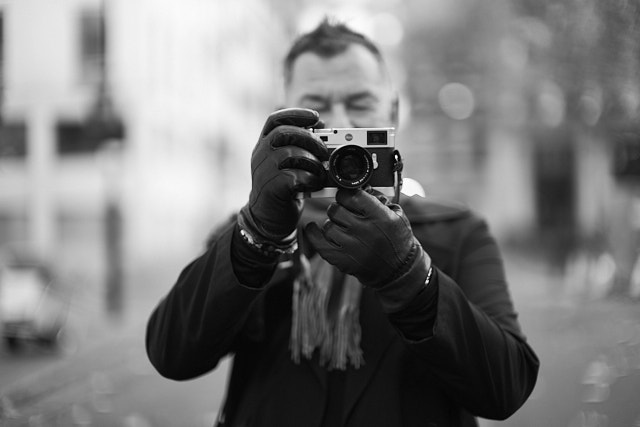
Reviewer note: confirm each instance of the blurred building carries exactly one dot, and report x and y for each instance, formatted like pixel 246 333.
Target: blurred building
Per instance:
pixel 145 107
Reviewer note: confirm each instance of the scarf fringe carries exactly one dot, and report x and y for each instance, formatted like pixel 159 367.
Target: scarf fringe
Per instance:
pixel 337 339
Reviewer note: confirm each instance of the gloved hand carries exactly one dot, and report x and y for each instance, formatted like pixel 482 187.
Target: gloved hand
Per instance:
pixel 286 160
pixel 369 238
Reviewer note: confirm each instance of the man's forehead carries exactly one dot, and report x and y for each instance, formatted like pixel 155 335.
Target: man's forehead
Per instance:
pixel 355 62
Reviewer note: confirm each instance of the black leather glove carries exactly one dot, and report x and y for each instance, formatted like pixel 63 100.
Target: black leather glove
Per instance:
pixel 369 238
pixel 286 160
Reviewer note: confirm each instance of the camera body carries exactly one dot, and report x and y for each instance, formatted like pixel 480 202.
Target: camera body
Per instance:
pixel 359 157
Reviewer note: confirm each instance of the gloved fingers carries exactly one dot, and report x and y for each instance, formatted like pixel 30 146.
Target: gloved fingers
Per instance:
pixel 297 167
pixel 337 235
pixel 360 202
pixel 286 157
pixel 331 251
pixel 298 117
pixel 283 185
pixel 358 237
pixel 300 180
pixel 377 194
pixel 285 136
pixel 347 253
pixel 343 217
pixel 318 240
pixel 302 160
pixel 397 209
pixel 328 250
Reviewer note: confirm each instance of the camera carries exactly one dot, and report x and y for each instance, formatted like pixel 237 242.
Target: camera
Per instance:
pixel 358 157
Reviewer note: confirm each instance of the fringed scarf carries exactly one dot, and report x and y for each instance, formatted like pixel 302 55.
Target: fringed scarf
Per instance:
pixel 326 311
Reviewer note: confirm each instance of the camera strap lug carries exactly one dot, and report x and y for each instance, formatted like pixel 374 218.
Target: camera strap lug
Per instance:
pixel 397 168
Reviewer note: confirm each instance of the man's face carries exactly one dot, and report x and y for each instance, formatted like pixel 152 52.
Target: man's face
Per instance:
pixel 350 89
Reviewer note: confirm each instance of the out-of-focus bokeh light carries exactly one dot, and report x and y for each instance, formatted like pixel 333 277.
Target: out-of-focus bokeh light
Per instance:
pixel 534 31
pixel 551 104
pixel 456 100
pixel 590 105
pixel 630 98
pixel 387 29
pixel 514 53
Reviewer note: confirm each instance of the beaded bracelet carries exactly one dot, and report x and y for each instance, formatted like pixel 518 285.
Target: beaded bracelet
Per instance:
pixel 268 248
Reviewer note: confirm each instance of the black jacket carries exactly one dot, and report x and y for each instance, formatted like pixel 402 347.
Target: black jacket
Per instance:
pixel 475 363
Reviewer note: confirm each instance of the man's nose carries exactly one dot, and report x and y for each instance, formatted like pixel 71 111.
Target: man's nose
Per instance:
pixel 338 117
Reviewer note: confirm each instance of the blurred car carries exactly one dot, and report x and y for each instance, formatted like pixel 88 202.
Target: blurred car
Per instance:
pixel 31 308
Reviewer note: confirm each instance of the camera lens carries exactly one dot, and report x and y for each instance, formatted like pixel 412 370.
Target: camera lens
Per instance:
pixel 350 166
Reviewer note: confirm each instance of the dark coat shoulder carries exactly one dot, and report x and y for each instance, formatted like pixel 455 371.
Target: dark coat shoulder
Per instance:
pixel 447 230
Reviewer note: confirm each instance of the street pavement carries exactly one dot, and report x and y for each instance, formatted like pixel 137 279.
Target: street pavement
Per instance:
pixel 589 349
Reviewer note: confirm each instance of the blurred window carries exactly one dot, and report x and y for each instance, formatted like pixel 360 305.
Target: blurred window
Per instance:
pixel 626 155
pixel 92 45
pixel 74 138
pixel 14 140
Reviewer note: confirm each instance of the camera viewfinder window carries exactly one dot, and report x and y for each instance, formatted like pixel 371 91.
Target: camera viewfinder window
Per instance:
pixel 376 137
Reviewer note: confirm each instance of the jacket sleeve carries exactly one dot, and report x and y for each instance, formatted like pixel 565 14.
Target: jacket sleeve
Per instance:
pixel 476 348
pixel 200 319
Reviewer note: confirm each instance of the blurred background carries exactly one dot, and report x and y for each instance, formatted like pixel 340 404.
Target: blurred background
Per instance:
pixel 125 133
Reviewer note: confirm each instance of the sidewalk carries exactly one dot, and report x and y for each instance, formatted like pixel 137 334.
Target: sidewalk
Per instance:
pixel 589 349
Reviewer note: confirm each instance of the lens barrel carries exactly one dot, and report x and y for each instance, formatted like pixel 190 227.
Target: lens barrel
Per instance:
pixel 350 166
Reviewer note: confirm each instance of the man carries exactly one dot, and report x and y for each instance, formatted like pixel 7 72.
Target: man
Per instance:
pixel 351 312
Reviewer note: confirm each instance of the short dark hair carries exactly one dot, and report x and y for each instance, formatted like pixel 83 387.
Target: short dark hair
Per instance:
pixel 328 39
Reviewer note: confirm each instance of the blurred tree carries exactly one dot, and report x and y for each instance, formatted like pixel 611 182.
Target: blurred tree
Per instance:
pixel 594 58
pixel 593 43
